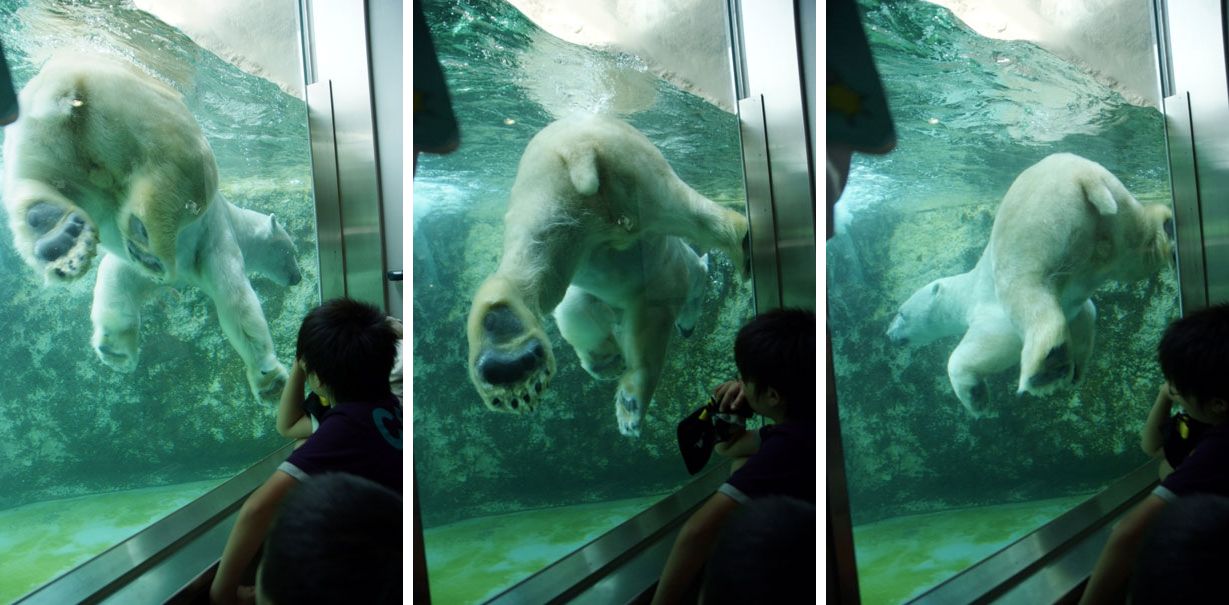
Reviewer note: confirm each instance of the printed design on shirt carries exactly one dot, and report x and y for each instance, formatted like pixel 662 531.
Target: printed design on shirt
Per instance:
pixel 389 425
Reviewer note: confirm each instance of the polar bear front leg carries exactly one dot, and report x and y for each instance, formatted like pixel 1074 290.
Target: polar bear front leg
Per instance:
pixel 241 317
pixel 53 235
pixel 119 291
pixel 644 343
pixel 588 325
pixel 987 348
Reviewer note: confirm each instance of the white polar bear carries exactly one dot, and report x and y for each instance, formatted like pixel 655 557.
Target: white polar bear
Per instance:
pixel 1065 227
pixel 104 154
pixel 595 231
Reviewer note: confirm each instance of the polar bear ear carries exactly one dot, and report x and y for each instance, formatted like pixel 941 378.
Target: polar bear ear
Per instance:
pixel 934 290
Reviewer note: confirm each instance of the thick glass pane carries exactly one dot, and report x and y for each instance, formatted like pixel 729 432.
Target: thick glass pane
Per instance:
pixel 504 494
pixel 933 487
pixel 98 443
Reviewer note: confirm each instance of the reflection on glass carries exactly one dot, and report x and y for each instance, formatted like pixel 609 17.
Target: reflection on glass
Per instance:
pixel 933 489
pixel 127 401
pixel 505 494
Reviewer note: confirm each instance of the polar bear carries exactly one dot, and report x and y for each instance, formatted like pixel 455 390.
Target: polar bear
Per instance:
pixel 106 155
pixel 595 230
pixel 1065 227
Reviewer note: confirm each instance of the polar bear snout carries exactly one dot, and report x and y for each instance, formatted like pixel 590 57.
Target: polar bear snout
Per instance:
pixel 896 331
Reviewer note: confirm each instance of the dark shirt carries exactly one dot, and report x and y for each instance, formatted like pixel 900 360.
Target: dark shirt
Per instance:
pixel 361 438
pixel 783 466
pixel 1205 470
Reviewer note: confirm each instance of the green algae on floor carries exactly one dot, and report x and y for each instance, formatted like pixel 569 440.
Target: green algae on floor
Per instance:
pixel 472 561
pixel 902 557
pixel 40 541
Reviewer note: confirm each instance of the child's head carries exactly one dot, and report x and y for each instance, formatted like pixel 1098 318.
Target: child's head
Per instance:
pixel 337 539
pixel 351 347
pixel 1193 354
pixel 776 351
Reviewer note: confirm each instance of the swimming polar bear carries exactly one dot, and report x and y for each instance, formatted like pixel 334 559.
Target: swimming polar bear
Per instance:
pixel 1065 227
pixel 106 155
pixel 595 230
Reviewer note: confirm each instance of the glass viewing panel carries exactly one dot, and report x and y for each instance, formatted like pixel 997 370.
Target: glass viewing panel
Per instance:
pixel 93 451
pixel 505 494
pixel 934 489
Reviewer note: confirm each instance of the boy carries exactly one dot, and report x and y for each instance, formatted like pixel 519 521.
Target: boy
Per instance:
pixel 1192 354
pixel 775 356
pixel 345 351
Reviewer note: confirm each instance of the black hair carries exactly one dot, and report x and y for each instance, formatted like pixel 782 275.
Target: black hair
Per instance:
pixel 351 346
pixel 336 539
pixel 1193 353
pixel 765 554
pixel 777 349
pixel 1184 553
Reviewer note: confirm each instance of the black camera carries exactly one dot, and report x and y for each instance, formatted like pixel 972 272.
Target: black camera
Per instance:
pixel 704 428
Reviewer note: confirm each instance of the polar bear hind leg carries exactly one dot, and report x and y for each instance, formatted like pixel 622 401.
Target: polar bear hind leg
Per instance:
pixel 644 341
pixel 1046 359
pixel 116 313
pixel 989 347
pixel 588 324
pixel 53 234
pixel 1083 328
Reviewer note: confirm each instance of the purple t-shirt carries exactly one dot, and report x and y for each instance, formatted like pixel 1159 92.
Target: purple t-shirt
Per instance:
pixel 360 438
pixel 783 466
pixel 1205 470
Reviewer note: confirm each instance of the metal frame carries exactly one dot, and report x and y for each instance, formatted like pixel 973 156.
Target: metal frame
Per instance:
pixel 337 50
pixel 1197 55
pixel 1184 182
pixel 156 562
pixel 772 73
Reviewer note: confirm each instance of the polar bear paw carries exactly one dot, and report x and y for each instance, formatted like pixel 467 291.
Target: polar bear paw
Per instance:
pixel 65 240
pixel 117 349
pixel 267 381
pixel 628 412
pixel 1055 371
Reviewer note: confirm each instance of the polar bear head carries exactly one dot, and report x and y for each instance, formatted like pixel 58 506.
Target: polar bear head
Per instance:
pixel 272 253
pixel 932 312
pixel 510 357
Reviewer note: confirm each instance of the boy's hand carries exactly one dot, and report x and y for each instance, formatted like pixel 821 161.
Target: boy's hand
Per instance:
pixel 1163 398
pixel 729 397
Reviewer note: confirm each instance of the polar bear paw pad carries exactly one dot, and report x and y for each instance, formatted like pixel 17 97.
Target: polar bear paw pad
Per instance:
pixel 64 240
pixel 628 413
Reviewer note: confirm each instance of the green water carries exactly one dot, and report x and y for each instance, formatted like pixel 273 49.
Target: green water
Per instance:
pixel 474 560
pixel 45 539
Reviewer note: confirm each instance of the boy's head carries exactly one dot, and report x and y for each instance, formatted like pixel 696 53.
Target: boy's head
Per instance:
pixel 775 355
pixel 337 540
pixel 351 347
pixel 1193 354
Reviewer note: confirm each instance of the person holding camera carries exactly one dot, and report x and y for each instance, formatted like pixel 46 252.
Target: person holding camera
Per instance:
pixel 775 356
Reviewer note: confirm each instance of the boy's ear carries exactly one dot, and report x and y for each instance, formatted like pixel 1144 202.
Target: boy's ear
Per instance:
pixel 772 397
